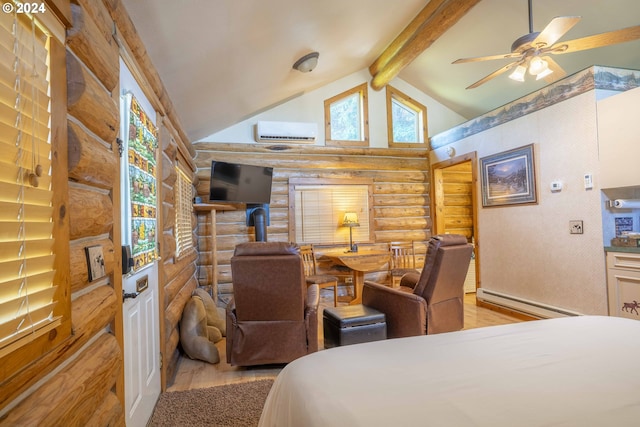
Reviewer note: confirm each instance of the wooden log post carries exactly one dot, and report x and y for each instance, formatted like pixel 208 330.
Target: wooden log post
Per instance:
pixel 90 212
pixel 89 102
pixel 88 42
pixel 90 161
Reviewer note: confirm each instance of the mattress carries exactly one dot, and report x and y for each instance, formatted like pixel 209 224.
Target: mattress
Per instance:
pixel 576 371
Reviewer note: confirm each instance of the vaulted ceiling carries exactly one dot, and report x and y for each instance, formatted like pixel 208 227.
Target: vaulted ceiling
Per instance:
pixel 223 61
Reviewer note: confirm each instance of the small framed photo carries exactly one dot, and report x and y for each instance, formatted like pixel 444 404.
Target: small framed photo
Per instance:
pixel 508 178
pixel 95 262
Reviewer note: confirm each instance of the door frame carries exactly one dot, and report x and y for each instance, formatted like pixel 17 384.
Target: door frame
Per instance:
pixel 437 214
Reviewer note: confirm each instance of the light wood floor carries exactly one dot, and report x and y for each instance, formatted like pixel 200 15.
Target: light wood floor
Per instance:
pixel 193 374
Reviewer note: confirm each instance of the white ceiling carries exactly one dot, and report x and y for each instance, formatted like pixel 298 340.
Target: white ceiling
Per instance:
pixel 223 61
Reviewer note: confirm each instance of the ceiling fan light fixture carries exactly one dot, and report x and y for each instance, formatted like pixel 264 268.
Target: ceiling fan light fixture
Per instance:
pixel 518 73
pixel 544 73
pixel 537 66
pixel 307 63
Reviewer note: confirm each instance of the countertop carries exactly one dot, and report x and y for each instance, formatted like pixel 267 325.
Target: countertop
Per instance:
pixel 628 249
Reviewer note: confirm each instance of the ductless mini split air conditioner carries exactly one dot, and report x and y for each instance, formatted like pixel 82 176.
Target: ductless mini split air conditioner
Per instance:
pixel 286 132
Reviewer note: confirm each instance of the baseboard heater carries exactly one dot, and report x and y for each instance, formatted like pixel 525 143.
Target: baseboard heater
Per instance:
pixel 522 305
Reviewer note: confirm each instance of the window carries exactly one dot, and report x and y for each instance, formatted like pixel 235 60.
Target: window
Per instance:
pixel 183 228
pixel 320 207
pixel 33 266
pixel 406 120
pixel 347 118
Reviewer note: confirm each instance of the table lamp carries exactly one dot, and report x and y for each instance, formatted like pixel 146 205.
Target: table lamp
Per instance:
pixel 351 220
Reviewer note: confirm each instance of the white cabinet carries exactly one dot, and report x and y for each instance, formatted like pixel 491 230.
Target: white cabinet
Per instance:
pixel 618 147
pixel 623 284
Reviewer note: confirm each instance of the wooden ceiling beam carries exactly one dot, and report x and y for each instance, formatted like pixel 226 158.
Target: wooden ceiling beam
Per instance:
pixel 432 22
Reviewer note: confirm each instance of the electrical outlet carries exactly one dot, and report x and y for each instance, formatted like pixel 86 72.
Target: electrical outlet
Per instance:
pixel 575 227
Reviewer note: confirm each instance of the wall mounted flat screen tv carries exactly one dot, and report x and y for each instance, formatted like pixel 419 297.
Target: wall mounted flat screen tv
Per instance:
pixel 232 182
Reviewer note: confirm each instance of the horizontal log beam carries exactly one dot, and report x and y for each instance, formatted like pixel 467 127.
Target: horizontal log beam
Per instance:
pixel 98 52
pixel 90 161
pixel 109 413
pixel 405 36
pixel 432 24
pixel 71 396
pixel 90 212
pixel 202 147
pixel 335 162
pixel 89 102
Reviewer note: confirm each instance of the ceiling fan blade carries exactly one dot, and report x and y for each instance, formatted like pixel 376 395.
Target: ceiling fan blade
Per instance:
pixel 598 40
pixel 554 30
pixel 487 58
pixel 558 72
pixel 494 74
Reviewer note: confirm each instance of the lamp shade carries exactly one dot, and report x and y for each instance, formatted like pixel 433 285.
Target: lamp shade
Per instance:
pixel 307 63
pixel 350 220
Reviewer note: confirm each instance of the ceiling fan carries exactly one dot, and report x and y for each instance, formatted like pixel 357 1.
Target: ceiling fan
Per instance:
pixel 532 51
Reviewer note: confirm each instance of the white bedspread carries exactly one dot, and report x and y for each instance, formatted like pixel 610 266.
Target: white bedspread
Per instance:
pixel 578 371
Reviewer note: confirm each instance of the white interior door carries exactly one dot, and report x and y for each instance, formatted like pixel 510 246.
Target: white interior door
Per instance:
pixel 141 347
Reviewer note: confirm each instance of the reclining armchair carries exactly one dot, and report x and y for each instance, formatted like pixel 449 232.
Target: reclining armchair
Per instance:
pixel 273 316
pixel 430 302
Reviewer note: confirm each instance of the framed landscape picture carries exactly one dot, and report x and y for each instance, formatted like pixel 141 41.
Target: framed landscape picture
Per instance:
pixel 508 178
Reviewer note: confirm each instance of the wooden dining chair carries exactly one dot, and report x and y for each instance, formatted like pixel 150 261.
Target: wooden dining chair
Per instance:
pixel 311 273
pixel 403 261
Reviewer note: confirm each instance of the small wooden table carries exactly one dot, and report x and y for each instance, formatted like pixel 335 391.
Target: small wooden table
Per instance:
pixel 359 262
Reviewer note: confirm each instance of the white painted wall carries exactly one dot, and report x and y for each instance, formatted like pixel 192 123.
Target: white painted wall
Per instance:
pixel 526 250
pixel 309 107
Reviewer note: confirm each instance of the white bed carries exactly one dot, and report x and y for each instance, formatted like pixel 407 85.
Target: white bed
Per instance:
pixel 577 371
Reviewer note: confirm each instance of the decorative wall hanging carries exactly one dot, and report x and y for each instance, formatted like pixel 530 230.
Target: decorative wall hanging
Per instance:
pixel 508 178
pixel 95 262
pixel 142 143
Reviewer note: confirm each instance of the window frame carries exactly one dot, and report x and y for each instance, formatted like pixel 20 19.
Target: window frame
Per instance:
pixel 361 89
pixel 184 213
pixel 394 94
pixel 26 351
pixel 330 182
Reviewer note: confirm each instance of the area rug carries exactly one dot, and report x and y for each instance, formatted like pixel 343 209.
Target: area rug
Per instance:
pixel 231 405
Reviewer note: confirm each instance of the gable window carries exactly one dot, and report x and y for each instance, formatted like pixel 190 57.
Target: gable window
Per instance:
pixel 406 120
pixel 34 267
pixel 183 228
pixel 320 206
pixel 347 118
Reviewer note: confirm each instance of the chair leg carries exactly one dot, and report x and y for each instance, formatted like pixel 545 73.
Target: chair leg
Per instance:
pixel 335 294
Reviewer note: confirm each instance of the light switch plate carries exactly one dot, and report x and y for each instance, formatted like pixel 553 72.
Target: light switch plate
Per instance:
pixel 575 227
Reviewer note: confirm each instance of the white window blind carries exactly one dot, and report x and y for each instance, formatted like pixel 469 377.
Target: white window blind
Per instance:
pixel 184 208
pixel 320 209
pixel 27 290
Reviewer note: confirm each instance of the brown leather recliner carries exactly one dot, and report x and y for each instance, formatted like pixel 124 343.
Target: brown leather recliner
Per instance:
pixel 273 316
pixel 430 302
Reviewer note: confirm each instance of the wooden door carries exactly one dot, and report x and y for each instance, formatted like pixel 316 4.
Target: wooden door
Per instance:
pixel 141 345
pixel 454 204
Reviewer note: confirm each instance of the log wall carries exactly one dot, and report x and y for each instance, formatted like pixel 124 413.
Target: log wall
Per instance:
pixel 82 381
pixel 457 199
pixel 400 193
